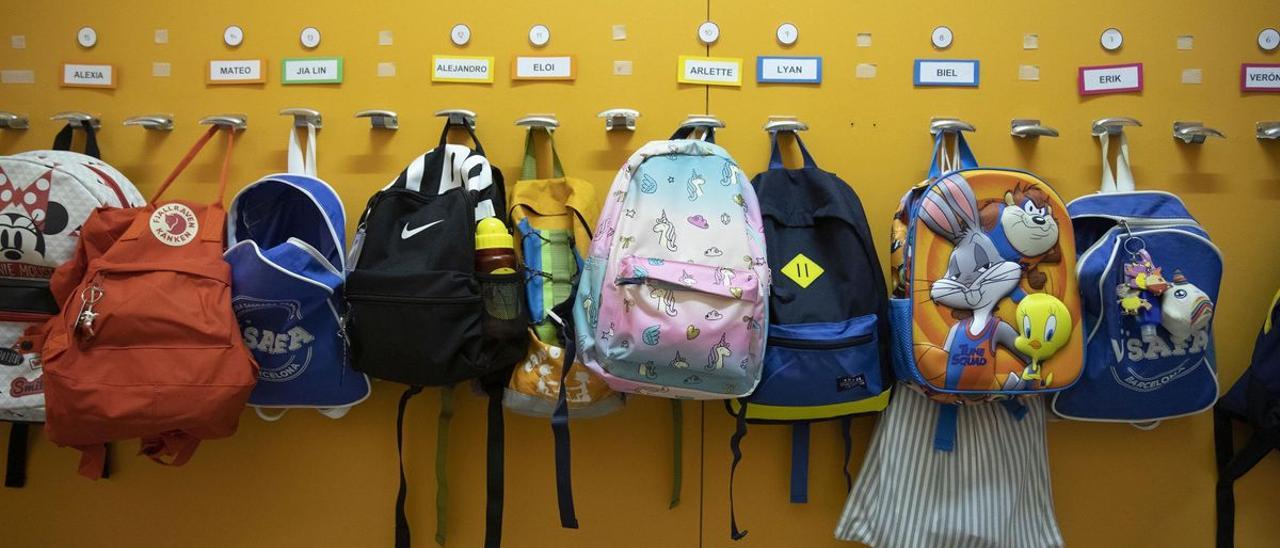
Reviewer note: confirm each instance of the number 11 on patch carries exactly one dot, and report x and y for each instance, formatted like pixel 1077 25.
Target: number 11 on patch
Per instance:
pixel 802 270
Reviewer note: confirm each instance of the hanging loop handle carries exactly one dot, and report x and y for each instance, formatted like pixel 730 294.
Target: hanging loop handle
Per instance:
pixel 191 154
pixel 300 164
pixel 529 169
pixel 1121 180
pixel 775 156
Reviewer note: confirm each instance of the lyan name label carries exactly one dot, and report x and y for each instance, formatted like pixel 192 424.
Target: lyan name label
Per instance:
pixel 711 71
pixel 788 70
pixel 467 70
pixel 238 71
pixel 313 70
pixel 88 76
pixel 946 72
pixel 1260 77
pixel 560 67
pixel 1110 79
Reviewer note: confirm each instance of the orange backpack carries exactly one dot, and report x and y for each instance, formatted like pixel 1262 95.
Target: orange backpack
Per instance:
pixel 146 345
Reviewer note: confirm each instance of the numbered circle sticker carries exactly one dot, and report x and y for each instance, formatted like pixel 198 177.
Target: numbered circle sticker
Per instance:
pixel 942 37
pixel 310 37
pixel 87 37
pixel 1112 39
pixel 539 35
pixel 1269 39
pixel 460 34
pixel 233 36
pixel 708 33
pixel 787 34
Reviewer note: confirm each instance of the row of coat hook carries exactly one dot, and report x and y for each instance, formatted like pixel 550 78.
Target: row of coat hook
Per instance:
pixel 625 119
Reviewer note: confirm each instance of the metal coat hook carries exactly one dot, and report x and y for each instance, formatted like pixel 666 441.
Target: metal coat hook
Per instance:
pixel 949 125
pixel 303 117
pixel 548 121
pixel 619 118
pixel 237 122
pixel 1113 126
pixel 1194 132
pixel 785 123
pixel 1025 128
pixel 380 119
pixel 459 116
pixel 1269 130
pixel 159 122
pixel 9 120
pixel 78 117
pixel 702 120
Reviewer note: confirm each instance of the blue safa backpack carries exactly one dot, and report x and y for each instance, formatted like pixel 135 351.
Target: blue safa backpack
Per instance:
pixel 1156 360
pixel 285 240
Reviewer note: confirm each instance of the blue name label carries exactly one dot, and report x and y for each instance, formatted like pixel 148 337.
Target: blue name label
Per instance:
pixel 946 72
pixel 788 70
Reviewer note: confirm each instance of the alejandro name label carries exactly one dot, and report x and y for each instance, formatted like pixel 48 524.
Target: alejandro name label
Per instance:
pixel 946 72
pixel 467 70
pixel 711 71
pixel 1110 79
pixel 1260 77
pixel 88 76
pixel 788 70
pixel 238 71
pixel 314 70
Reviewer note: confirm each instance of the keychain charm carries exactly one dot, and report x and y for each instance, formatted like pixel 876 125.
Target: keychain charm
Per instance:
pixel 89 296
pixel 1143 282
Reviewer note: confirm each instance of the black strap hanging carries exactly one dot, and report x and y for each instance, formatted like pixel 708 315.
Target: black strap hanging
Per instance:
pixel 62 141
pixel 402 522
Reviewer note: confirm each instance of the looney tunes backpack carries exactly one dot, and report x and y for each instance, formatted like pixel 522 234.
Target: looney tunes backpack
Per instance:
pixel 419 314
pixel 1255 400
pixel 285 237
pixel 828 346
pixel 1149 279
pixel 45 196
pixel 985 302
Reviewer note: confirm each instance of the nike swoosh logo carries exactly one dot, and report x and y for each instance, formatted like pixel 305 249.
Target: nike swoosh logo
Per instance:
pixel 405 233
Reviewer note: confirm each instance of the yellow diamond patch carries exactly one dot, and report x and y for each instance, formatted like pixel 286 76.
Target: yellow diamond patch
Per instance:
pixel 802 270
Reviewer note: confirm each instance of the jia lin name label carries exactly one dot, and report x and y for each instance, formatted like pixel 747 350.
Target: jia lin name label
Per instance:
pixel 712 71
pixel 788 70
pixel 1260 77
pixel 314 70
pixel 467 70
pixel 1110 79
pixel 88 76
pixel 946 72
pixel 238 71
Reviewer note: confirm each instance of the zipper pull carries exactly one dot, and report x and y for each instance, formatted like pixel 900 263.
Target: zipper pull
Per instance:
pixel 89 296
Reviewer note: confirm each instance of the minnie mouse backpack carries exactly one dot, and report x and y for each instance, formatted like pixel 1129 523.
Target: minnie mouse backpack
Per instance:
pixel 45 196
pixel 985 303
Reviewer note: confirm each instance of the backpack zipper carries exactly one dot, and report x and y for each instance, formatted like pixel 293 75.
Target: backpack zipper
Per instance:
pixel 415 300
pixel 807 344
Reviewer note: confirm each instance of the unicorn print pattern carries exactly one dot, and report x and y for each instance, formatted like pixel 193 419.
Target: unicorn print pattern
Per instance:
pixel 719 352
pixel 666 231
pixel 695 186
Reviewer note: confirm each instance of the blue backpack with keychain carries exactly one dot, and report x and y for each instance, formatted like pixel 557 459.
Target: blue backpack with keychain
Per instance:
pixel 285 244
pixel 1149 279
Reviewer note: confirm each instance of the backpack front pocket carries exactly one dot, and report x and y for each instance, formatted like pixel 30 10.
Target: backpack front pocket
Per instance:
pixel 690 322
pixel 421 328
pixel 153 308
pixel 824 367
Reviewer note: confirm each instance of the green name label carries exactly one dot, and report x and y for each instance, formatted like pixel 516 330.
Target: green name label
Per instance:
pixel 312 70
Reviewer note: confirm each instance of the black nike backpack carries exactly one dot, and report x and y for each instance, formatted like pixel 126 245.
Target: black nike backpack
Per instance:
pixel 417 311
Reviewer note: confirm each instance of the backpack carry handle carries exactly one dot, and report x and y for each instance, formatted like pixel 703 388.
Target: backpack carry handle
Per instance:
pixel 775 157
pixel 436 170
pixel 686 132
pixel 62 141
pixel 945 160
pixel 1122 179
pixel 529 170
pixel 191 154
pixel 300 163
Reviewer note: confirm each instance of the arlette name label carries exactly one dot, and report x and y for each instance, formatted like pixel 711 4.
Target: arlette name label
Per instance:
pixel 312 70
pixel 467 70
pixel 1110 79
pixel 1260 77
pixel 711 71
pixel 946 72
pixel 788 70
pixel 238 71
pixel 559 67
pixel 88 76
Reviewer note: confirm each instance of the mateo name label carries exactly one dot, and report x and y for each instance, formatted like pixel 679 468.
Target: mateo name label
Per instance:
pixel 711 71
pixel 1258 77
pixel 1110 79
pixel 788 70
pixel 543 68
pixel 313 70
pixel 946 72
pixel 88 76
pixel 239 71
pixel 467 70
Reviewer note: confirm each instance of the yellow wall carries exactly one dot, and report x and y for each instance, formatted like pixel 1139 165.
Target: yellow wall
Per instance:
pixel 309 481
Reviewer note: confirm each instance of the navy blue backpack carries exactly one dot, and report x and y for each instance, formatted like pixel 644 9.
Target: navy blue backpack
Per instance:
pixel 285 243
pixel 1149 279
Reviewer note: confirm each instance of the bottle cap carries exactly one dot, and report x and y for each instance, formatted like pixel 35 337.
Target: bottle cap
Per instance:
pixel 491 233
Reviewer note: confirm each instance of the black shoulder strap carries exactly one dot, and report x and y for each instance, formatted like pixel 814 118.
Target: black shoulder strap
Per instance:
pixel 62 141
pixel 15 471
pixel 735 446
pixel 402 522
pixel 495 483
pixel 560 417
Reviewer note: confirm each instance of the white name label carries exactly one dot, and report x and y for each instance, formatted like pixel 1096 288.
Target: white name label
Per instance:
pixel 473 70
pixel 1260 78
pixel 789 70
pixel 236 72
pixel 1110 79
pixel 714 71
pixel 93 76
pixel 963 73
pixel 544 68
pixel 320 70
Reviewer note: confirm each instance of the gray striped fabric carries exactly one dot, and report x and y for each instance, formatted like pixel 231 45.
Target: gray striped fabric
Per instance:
pixel 993 490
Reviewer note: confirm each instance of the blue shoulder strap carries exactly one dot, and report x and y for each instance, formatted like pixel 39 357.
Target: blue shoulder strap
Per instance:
pixel 966 158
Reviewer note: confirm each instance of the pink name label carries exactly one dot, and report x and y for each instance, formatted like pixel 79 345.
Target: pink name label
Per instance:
pixel 1260 77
